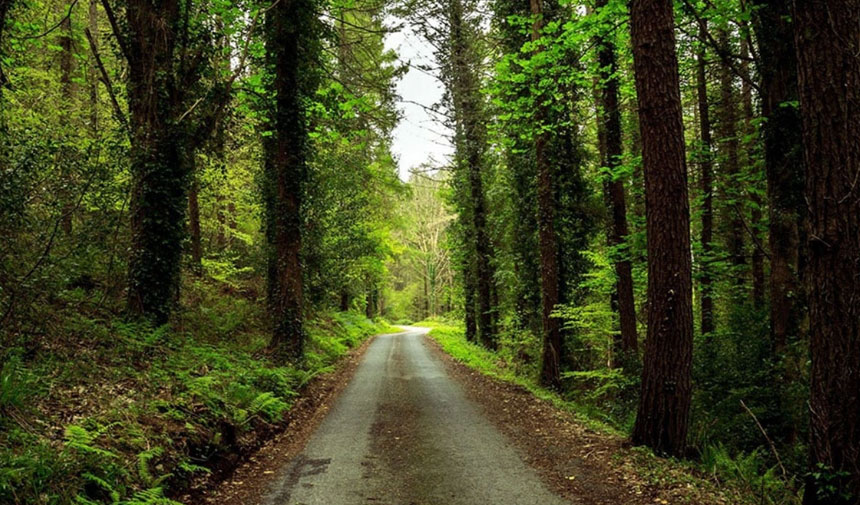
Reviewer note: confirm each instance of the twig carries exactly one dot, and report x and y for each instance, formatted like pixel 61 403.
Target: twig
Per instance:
pixel 59 23
pixel 769 441
pixel 117 33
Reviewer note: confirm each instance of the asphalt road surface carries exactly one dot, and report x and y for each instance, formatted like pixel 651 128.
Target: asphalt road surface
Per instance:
pixel 403 433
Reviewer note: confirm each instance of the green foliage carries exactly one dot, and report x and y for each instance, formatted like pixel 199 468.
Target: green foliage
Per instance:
pixel 187 400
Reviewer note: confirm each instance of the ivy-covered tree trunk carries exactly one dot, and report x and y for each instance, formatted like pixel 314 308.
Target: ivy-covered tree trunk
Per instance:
pixel 609 118
pixel 471 145
pixel 783 157
pixel 664 404
pixel 289 45
pixel 828 43
pixel 158 165
pixel 552 341
pixel 707 187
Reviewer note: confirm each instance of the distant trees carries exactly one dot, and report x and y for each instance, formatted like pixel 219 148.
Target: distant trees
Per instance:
pixel 664 403
pixel 827 34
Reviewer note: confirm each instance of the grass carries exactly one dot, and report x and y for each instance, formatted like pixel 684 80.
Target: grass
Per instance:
pixel 105 412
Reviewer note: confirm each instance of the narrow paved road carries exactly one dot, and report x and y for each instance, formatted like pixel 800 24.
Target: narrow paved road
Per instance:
pixel 403 433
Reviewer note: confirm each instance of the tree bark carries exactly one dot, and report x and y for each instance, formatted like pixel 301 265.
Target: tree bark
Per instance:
pixel 469 299
pixel 757 203
pixel 664 404
pixel 730 166
pixel 827 34
pixel 194 226
pixel 552 341
pixel 609 125
pixel 783 162
pixel 468 109
pixel 707 187
pixel 92 71
pixel 288 42
pixel 67 90
pixel 158 165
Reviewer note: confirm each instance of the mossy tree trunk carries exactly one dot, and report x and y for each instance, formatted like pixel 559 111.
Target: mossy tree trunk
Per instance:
pixel 290 44
pixel 159 166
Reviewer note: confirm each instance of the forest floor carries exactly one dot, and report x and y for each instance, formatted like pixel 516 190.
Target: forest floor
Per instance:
pixel 98 410
pixel 414 425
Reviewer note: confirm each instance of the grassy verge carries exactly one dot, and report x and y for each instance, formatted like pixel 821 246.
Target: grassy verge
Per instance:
pixel 105 412
pixel 740 479
pixel 451 338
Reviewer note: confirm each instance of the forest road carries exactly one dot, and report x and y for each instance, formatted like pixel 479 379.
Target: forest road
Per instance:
pixel 404 433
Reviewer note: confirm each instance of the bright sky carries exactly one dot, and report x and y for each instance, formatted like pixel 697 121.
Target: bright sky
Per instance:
pixel 419 138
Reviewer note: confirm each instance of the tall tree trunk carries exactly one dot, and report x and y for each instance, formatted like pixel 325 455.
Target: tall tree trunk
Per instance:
pixel 783 161
pixel 757 203
pixel 92 70
pixel 552 341
pixel 466 96
pixel 288 44
pixel 158 165
pixel 609 125
pixel 194 225
pixel 707 181
pixel 728 137
pixel 469 299
pixel 664 404
pixel 828 41
pixel 67 92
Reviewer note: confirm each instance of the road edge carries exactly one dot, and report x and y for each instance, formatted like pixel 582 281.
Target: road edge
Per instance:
pixel 252 474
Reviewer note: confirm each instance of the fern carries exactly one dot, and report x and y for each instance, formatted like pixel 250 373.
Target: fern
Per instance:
pixel 185 466
pixel 78 438
pixel 269 405
pixel 105 485
pixel 151 496
pixel 143 460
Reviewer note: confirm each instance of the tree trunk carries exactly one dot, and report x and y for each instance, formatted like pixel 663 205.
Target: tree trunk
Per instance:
pixel 288 41
pixel 707 168
pixel 757 203
pixel 159 168
pixel 68 95
pixel 783 161
pixel 664 404
pixel 92 71
pixel 728 136
pixel 194 226
pixel 828 41
pixel 469 300
pixel 466 96
pixel 609 124
pixel 552 342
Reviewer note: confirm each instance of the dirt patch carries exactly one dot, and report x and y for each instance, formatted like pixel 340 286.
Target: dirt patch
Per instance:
pixel 581 465
pixel 249 480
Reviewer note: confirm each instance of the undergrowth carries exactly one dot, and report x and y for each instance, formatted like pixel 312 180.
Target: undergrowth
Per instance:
pixel 128 414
